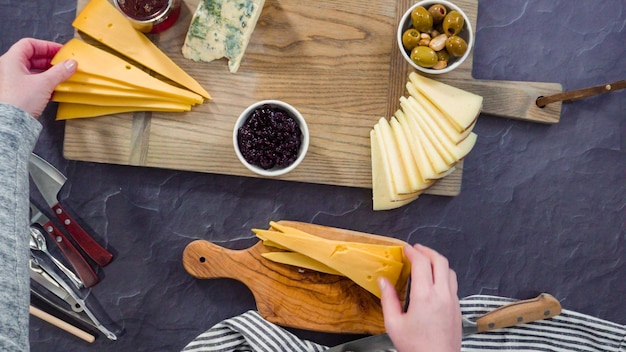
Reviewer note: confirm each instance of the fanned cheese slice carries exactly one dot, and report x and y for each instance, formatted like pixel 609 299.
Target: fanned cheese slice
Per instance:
pixel 98 90
pixel 100 20
pixel 415 179
pixel 442 122
pixel 222 28
pixel 119 86
pixel 426 170
pixel 67 111
pixel 393 158
pixel 104 100
pixel 382 187
pixel 97 62
pixel 459 106
pixel 436 160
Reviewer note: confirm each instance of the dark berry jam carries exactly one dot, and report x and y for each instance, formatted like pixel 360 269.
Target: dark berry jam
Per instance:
pixel 269 138
pixel 150 16
pixel 142 10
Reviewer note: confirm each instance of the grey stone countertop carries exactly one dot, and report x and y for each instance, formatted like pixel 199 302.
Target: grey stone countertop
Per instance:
pixel 542 207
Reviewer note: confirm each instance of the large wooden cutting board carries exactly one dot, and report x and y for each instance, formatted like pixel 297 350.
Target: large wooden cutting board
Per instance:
pixel 336 61
pixel 294 297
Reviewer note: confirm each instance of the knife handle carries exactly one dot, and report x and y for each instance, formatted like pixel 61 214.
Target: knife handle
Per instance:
pixel 83 269
pixel 93 249
pixel 543 306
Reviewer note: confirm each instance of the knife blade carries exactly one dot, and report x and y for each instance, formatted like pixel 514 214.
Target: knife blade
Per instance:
pixel 49 181
pixel 38 275
pixel 73 256
pixel 91 307
pixel 543 306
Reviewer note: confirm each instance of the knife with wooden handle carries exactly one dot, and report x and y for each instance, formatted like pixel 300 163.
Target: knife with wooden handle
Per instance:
pixel 49 181
pixel 543 306
pixel 85 272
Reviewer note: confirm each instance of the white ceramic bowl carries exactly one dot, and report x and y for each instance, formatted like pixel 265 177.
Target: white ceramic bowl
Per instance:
pixel 294 113
pixel 467 34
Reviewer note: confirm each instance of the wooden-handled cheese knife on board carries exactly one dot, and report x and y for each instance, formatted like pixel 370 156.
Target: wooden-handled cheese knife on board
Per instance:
pixel 294 297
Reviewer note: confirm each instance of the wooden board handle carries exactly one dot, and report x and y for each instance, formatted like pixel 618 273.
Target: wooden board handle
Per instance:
pixel 205 260
pixel 543 306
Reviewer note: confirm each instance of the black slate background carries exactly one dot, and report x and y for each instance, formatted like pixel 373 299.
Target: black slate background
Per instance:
pixel 542 207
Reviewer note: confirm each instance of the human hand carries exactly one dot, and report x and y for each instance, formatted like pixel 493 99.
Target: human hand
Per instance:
pixel 26 78
pixel 433 319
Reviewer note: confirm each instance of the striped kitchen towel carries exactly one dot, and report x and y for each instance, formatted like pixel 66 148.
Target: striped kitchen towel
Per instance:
pixel 569 331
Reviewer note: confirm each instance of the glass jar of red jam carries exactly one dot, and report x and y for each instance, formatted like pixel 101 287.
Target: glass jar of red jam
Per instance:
pixel 150 16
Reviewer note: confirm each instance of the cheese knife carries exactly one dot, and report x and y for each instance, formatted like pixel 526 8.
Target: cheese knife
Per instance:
pixel 49 181
pixel 543 306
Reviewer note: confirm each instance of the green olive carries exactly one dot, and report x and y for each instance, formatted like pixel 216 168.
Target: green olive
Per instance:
pixel 453 23
pixel 442 55
pixel 438 11
pixel 410 38
pixel 424 56
pixel 422 20
pixel 456 46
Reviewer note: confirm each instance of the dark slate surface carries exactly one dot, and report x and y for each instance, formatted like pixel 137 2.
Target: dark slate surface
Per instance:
pixel 542 207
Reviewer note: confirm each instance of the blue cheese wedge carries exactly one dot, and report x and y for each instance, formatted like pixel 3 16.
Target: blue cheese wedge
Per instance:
pixel 222 28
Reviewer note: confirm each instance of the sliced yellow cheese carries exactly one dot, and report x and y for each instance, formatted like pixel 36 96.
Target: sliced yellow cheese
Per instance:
pixel 382 187
pixel 436 160
pixel 416 180
pixel 426 170
pixel 83 88
pixel 67 111
pixel 417 113
pixel 89 99
pixel 391 160
pixel 299 260
pixel 387 251
pixel 442 122
pixel 455 151
pixel 459 106
pixel 97 62
pixel 360 266
pixel 100 20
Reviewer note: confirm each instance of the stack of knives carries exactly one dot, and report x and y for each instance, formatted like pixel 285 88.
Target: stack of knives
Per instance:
pixel 57 290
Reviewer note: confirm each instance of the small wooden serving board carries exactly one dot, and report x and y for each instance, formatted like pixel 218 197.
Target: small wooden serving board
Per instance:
pixel 293 297
pixel 336 61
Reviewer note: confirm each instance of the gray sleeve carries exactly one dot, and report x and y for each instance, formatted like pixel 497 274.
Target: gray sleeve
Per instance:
pixel 18 135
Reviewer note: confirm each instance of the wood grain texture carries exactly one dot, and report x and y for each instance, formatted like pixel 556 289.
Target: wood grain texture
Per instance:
pixel 294 297
pixel 336 61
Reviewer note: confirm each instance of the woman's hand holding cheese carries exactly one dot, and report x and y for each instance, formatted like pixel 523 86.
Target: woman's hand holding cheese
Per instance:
pixel 26 78
pixel 433 319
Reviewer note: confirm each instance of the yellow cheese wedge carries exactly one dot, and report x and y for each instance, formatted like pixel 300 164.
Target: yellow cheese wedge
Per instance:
pixel 97 81
pixel 456 152
pixel 97 62
pixel 459 106
pixel 83 88
pixel 387 251
pixel 436 160
pixel 100 20
pixel 382 188
pixel 360 266
pixel 391 159
pixel 416 181
pixel 417 113
pixel 299 260
pixel 444 124
pixel 68 111
pixel 89 99
pixel 426 170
